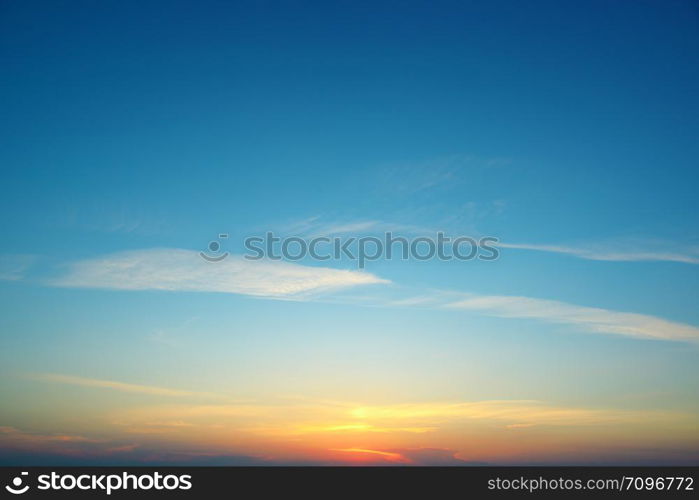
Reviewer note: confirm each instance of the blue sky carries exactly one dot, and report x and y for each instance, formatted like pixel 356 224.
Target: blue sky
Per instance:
pixel 134 131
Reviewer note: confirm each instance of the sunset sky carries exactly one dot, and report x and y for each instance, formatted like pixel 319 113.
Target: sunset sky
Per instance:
pixel 134 133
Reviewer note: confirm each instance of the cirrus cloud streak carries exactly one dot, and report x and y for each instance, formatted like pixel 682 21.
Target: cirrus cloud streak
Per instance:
pixel 175 269
pixel 593 319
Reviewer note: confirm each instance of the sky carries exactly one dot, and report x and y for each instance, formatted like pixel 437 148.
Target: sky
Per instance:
pixel 135 133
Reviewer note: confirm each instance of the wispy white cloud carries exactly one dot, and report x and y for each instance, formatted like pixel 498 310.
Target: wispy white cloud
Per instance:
pixel 185 270
pixel 453 220
pixel 617 252
pixel 313 227
pixel 507 412
pixel 446 172
pixel 14 266
pixel 120 386
pixel 583 318
pixel 590 319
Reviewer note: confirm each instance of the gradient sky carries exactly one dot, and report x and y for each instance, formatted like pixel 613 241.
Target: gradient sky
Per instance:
pixel 133 133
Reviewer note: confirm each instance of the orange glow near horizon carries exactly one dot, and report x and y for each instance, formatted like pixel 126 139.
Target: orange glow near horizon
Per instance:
pixel 321 431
